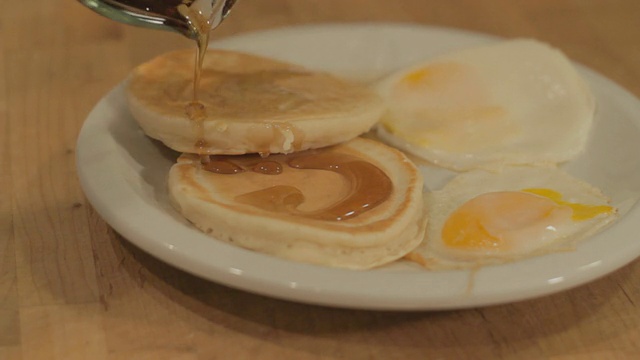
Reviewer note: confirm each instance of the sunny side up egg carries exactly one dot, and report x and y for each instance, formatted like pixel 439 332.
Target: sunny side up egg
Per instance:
pixel 482 217
pixel 513 102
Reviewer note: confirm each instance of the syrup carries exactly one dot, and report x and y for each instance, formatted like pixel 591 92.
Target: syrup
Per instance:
pixel 234 164
pixel 194 19
pixel 222 166
pixel 201 21
pixel 369 186
pixel 268 168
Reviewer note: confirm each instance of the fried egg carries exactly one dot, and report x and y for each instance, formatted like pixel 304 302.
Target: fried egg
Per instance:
pixel 513 102
pixel 482 217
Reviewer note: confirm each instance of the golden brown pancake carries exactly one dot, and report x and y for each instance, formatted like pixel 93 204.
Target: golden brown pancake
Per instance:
pixel 355 205
pixel 251 104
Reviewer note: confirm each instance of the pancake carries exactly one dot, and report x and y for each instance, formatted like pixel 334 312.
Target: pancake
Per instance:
pixel 251 104
pixel 356 205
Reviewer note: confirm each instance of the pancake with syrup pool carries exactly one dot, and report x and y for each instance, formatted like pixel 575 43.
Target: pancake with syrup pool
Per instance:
pixel 355 205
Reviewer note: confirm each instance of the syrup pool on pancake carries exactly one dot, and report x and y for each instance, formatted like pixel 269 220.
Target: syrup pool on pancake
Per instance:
pixel 482 218
pixel 355 205
pixel 514 102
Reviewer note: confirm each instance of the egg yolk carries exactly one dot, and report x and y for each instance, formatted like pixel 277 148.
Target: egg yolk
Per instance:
pixel 580 211
pixel 433 75
pixel 448 106
pixel 498 220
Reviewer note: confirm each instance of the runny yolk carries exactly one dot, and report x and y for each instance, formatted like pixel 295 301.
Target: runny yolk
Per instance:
pixel 438 74
pixel 580 211
pixel 417 76
pixel 494 221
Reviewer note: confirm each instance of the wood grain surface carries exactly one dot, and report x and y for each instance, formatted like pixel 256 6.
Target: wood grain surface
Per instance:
pixel 72 288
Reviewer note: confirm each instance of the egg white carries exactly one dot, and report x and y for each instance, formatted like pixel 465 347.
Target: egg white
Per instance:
pixel 433 253
pixel 513 102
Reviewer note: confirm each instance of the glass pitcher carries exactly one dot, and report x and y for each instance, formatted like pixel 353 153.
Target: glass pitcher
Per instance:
pixel 188 17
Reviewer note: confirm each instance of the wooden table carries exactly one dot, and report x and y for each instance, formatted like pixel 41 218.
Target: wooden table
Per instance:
pixel 71 288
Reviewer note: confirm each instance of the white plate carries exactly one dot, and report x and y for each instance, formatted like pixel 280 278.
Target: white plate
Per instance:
pixel 123 174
